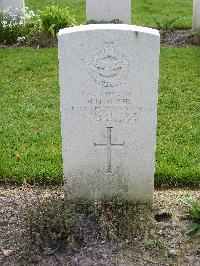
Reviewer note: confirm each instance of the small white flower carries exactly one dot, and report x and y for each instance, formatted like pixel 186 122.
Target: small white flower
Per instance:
pixel 21 39
pixel 4 24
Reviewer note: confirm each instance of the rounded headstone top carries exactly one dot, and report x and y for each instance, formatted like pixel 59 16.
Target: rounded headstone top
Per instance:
pixel 121 27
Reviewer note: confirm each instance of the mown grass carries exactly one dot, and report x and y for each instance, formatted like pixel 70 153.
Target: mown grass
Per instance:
pixel 29 107
pixel 30 146
pixel 178 145
pixel 143 11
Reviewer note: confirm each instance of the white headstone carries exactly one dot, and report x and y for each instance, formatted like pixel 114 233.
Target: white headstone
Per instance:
pixel 108 10
pixel 16 6
pixel 109 88
pixel 196 15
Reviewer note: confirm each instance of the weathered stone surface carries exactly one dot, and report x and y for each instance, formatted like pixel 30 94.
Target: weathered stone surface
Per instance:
pixel 16 6
pixel 108 10
pixel 196 15
pixel 109 86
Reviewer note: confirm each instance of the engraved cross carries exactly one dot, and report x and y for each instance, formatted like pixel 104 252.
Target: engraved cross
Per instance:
pixel 109 146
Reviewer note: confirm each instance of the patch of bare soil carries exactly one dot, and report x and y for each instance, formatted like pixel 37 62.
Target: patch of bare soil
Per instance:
pixel 180 38
pixel 164 243
pixel 174 38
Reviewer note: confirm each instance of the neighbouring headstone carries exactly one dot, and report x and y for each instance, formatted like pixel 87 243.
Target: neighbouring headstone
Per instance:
pixel 109 89
pixel 16 6
pixel 196 15
pixel 109 10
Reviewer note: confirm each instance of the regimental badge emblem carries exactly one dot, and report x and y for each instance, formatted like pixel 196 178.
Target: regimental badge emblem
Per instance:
pixel 109 68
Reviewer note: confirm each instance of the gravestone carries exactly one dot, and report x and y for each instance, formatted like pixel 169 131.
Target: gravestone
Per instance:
pixel 196 15
pixel 109 10
pixel 16 6
pixel 109 85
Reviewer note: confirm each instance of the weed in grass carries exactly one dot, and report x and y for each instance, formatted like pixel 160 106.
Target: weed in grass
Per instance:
pixel 166 24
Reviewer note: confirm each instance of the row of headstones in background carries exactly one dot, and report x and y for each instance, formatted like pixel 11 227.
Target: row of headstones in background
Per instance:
pixel 196 15
pixel 105 10
pixel 109 90
pixel 16 6
pixel 109 10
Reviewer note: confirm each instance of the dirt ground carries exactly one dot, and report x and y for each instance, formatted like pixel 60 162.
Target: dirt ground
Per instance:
pixel 179 38
pixel 165 244
pixel 173 38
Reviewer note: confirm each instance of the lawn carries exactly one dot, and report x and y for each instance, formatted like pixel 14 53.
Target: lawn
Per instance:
pixel 29 108
pixel 143 11
pixel 30 146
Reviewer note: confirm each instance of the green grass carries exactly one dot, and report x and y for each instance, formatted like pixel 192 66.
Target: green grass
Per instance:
pixel 30 120
pixel 77 7
pixel 179 117
pixel 29 107
pixel 143 11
